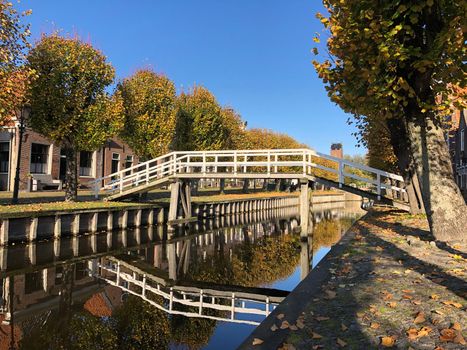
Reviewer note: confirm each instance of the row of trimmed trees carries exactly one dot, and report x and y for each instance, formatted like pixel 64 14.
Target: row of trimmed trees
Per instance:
pixel 66 83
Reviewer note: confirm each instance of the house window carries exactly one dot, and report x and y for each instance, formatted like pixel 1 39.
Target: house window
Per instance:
pixel 85 163
pixel 115 162
pixel 39 155
pixel 128 164
pixel 4 156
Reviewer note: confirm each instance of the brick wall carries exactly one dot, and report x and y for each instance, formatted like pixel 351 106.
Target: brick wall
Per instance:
pixel 102 162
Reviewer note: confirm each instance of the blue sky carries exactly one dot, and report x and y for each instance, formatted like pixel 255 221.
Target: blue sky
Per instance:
pixel 254 55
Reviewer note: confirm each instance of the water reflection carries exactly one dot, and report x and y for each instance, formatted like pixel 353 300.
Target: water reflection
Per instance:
pixel 137 290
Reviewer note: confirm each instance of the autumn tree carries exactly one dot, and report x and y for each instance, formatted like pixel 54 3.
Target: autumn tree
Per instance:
pixel 13 75
pixel 235 126
pixel 149 100
pixel 69 103
pixel 200 124
pixel 396 62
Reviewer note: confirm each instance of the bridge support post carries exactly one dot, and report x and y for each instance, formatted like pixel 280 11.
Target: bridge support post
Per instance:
pixel 180 198
pixel 304 207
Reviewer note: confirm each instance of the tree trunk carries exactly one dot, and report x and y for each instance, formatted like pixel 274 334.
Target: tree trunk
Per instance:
pixel 222 186
pixel 245 185
pixel 445 207
pixel 278 185
pixel 71 178
pixel 401 147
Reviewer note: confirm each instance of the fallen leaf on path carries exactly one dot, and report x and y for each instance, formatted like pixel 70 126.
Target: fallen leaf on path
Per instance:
pixel 420 318
pixel 330 294
pixel 412 333
pixel 344 327
pixel 280 316
pixel 452 303
pixel 456 326
pixel 447 334
pixel 424 331
pixel 316 336
pixel 459 339
pixel 416 302
pixel 285 325
pixel 293 327
pixel 257 341
pixel 407 296
pixel 274 328
pixel 341 342
pixel 321 318
pixel 387 341
pixel 300 324
pixel 392 304
pixel 438 280
pixel 318 346
pixel 434 296
pixel 374 325
pixel 387 296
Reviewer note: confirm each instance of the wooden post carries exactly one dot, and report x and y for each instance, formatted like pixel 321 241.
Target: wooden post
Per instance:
pixel 138 217
pixel 32 253
pixel 57 248
pixel 75 244
pixel 58 226
pixel 3 258
pixel 151 217
pixel 33 229
pixel 93 226
pixel 124 219
pixel 160 216
pixel 304 208
pixel 174 195
pixel 110 220
pixel 94 243
pixel 4 231
pixel 75 225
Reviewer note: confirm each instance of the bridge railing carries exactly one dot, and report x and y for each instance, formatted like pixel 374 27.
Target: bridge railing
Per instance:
pixel 291 163
pixel 175 300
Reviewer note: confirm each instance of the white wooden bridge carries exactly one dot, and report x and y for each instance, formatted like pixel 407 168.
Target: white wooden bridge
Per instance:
pixel 230 304
pixel 305 165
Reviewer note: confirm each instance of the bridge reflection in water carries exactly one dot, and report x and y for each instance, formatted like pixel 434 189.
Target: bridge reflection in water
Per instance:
pixel 108 286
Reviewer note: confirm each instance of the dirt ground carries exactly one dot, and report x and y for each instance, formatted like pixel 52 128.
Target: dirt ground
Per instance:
pixel 393 286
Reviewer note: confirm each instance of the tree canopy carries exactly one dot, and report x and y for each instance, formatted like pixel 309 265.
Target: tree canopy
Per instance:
pixel 150 107
pixel 200 122
pixel 68 98
pixel 13 43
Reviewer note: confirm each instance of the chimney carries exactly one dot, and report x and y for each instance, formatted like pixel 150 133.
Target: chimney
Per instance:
pixel 337 151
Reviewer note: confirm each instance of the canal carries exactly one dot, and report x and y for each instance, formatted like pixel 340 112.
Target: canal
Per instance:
pixel 204 286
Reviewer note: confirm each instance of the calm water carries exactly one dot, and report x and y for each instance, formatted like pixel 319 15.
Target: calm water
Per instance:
pixel 204 288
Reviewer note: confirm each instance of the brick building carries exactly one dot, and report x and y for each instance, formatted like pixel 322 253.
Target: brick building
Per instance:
pixel 457 141
pixel 42 159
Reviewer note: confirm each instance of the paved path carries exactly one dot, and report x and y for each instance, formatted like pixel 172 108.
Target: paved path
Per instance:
pixel 388 285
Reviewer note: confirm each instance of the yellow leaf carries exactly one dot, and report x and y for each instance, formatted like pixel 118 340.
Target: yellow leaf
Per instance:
pixel 257 341
pixel 387 341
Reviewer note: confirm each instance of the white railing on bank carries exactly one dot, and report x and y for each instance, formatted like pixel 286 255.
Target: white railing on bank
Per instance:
pixel 292 163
